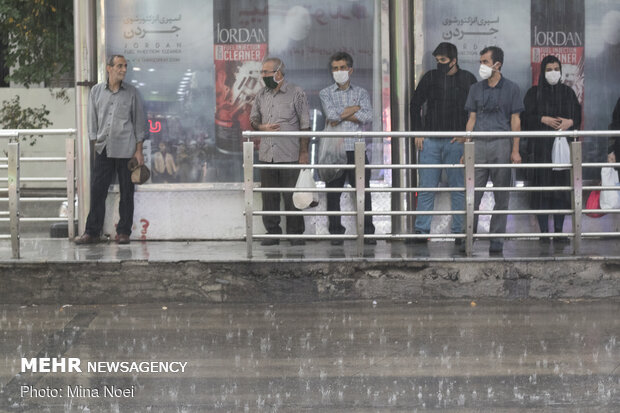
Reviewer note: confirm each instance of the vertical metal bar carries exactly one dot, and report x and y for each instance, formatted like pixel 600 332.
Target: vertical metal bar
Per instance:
pixel 401 85
pixel 360 152
pixel 248 186
pixel 577 181
pixel 70 171
pixel 85 40
pixel 470 184
pixel 13 186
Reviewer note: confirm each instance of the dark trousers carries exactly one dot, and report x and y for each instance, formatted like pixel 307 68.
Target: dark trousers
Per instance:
pixel 103 175
pixel 333 198
pixel 280 178
pixel 558 222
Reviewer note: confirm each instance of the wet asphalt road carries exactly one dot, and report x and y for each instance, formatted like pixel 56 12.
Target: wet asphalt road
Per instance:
pixel 489 355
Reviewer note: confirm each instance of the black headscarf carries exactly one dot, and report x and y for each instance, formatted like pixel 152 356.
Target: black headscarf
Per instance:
pixel 543 85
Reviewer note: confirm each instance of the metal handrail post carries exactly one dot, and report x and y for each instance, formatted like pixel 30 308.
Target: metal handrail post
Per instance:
pixel 577 179
pixel 360 158
pixel 470 185
pixel 70 170
pixel 248 186
pixel 13 187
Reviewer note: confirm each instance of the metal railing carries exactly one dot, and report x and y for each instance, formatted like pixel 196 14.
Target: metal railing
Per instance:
pixel 576 187
pixel 14 180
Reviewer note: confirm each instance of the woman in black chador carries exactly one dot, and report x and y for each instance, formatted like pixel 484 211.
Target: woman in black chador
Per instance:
pixel 549 106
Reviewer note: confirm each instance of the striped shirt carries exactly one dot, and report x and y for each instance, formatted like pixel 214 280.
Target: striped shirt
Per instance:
pixel 335 100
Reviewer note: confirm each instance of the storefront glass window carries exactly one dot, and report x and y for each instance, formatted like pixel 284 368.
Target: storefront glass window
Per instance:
pixel 196 64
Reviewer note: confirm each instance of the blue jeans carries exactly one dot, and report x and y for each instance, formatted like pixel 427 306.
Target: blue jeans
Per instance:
pixel 438 151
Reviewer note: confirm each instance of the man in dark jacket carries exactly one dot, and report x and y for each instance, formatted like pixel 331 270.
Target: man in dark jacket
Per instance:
pixel 444 91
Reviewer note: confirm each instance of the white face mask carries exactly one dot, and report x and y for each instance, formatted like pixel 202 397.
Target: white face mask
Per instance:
pixel 485 71
pixel 553 77
pixel 341 76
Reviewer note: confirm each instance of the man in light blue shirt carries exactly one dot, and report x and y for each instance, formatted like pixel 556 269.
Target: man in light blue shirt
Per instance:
pixel 347 107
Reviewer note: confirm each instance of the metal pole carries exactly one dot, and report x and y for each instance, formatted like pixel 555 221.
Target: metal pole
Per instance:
pixel 577 178
pixel 360 152
pixel 70 171
pixel 401 80
pixel 13 187
pixel 85 39
pixel 470 184
pixel 248 186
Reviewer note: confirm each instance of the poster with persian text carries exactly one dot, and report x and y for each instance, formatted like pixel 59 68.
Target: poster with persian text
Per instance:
pixel 472 26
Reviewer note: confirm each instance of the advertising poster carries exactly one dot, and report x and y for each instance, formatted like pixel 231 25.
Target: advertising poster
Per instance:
pixel 168 46
pixel 472 26
pixel 558 29
pixel 240 37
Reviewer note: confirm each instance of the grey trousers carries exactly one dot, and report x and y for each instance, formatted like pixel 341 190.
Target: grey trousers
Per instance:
pixel 493 151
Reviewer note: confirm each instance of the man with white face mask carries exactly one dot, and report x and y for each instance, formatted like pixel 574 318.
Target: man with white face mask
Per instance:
pixel 494 104
pixel 347 107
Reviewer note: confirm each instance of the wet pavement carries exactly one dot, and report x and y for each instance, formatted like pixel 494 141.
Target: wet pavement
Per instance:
pixel 348 356
pixel 39 250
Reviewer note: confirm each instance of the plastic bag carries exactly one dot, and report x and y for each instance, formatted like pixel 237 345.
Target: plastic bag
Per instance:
pixel 303 200
pixel 331 152
pixel 560 152
pixel 609 199
pixel 593 202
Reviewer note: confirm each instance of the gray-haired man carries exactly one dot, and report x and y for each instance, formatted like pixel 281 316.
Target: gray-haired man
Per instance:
pixel 116 124
pixel 280 106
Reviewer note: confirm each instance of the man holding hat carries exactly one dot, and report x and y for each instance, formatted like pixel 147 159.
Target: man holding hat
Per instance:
pixel 116 123
pixel 444 91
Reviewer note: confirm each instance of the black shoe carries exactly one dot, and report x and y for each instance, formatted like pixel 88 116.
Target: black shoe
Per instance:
pixel 496 247
pixel 86 239
pixel 370 241
pixel 296 242
pixel 561 240
pixel 336 242
pixel 459 241
pixel 544 240
pixel 122 239
pixel 270 241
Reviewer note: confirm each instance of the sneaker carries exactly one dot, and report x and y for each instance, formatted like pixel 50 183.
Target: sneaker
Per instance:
pixel 496 247
pixel 270 241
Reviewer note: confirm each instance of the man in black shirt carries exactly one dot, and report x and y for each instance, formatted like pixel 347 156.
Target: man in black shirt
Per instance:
pixel 444 91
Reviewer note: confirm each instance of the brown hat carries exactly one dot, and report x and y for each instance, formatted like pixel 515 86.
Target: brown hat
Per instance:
pixel 139 173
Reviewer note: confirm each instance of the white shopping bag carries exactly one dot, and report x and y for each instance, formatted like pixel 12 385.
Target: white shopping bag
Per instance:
pixel 560 152
pixel 303 200
pixel 609 199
